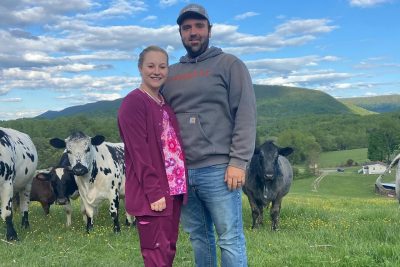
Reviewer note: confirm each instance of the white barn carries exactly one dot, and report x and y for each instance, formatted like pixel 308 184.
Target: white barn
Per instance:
pixel 374 168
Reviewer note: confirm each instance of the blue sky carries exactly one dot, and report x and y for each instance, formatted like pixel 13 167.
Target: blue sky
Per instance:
pixel 55 54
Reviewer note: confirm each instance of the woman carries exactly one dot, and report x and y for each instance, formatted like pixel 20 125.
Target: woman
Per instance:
pixel 155 185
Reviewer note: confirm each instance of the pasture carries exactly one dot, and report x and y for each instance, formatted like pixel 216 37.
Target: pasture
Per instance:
pixel 343 224
pixel 339 158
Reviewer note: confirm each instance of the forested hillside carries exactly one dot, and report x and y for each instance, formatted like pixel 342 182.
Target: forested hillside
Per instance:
pixel 384 103
pixel 99 109
pixel 272 101
pixel 308 120
pixel 282 101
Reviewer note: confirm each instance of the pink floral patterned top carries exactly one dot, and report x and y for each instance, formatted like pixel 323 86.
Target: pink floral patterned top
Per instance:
pixel 173 157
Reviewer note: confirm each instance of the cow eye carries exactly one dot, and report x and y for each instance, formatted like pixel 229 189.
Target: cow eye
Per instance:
pixel 87 149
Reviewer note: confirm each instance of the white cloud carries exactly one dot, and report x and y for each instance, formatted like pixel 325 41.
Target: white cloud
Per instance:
pixel 287 64
pixel 98 96
pixel 367 3
pixel 76 67
pixel 89 97
pixel 28 12
pixel 117 8
pixel 10 115
pixel 377 63
pixel 246 15
pixel 167 3
pixel 15 99
pixel 311 80
pixel 150 18
pixel 290 33
pixel 16 78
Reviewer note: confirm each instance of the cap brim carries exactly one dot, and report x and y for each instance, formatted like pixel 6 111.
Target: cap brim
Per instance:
pixel 189 14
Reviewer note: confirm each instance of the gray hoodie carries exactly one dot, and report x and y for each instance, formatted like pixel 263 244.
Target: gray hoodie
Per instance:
pixel 213 98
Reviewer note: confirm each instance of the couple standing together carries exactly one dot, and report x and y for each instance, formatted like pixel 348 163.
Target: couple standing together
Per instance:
pixel 187 147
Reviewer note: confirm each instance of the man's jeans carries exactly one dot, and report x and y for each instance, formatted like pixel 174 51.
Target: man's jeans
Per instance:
pixel 211 203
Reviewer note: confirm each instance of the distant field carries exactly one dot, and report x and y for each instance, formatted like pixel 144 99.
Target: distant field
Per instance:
pixel 339 158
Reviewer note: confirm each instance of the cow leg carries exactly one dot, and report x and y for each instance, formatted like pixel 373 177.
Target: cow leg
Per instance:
pixel 130 220
pixel 24 197
pixel 24 220
pixel 11 234
pixel 275 211
pixel 260 217
pixel 46 207
pixel 90 211
pixel 114 206
pixel 89 224
pixel 6 194
pixel 255 211
pixel 397 184
pixel 68 212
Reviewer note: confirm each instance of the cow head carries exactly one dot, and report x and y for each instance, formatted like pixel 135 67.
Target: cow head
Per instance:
pixel 62 182
pixel 80 149
pixel 268 155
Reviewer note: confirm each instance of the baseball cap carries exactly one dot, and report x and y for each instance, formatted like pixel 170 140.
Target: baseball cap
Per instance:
pixel 194 11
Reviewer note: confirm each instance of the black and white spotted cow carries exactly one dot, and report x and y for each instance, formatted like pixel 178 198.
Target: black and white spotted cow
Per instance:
pixel 18 161
pixel 99 170
pixel 55 185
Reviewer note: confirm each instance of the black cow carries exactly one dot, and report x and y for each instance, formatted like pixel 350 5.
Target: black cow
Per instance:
pixel 269 178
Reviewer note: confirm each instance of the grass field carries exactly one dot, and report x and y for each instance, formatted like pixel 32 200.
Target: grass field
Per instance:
pixel 339 158
pixel 342 224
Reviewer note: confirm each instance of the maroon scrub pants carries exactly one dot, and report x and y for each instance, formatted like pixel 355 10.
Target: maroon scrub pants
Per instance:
pixel 158 236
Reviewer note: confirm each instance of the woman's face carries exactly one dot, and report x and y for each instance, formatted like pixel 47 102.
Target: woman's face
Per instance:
pixel 154 70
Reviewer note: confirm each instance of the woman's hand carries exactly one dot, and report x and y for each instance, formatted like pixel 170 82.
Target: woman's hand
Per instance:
pixel 159 205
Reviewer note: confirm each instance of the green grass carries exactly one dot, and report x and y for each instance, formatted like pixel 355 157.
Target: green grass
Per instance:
pixel 358 110
pixel 339 158
pixel 344 223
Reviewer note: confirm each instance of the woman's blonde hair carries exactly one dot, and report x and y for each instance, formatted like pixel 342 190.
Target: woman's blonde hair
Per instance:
pixel 151 48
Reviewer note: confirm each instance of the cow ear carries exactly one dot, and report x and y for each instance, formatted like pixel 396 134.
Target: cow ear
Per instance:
pixel 57 143
pixel 43 176
pixel 286 151
pixel 97 140
pixel 2 133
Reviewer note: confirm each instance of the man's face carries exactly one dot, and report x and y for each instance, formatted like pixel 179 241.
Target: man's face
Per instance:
pixel 195 36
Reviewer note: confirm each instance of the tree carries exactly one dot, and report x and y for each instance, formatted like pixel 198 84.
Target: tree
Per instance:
pixel 383 140
pixel 306 148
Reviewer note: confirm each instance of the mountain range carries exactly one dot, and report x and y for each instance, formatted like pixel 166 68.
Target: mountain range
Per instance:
pixel 277 101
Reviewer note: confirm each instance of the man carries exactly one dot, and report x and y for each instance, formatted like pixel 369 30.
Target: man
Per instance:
pixel 212 95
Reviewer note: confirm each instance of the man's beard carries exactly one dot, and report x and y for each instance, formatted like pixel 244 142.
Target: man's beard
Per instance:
pixel 197 52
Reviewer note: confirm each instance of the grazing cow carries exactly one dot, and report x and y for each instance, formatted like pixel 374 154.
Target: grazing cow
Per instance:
pixel 59 184
pixel 18 161
pixel 269 178
pixel 99 170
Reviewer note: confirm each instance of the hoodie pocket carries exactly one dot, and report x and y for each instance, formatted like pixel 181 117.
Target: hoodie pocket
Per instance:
pixel 196 144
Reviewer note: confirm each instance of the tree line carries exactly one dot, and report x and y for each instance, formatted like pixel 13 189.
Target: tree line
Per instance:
pixel 309 135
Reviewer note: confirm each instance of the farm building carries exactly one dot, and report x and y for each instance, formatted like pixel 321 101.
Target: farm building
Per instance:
pixel 374 168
